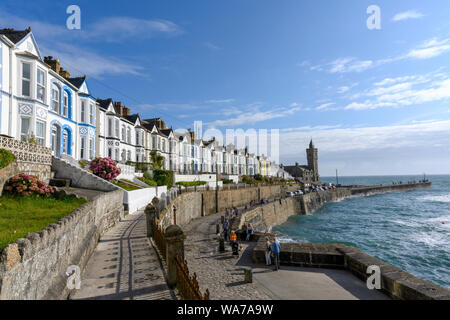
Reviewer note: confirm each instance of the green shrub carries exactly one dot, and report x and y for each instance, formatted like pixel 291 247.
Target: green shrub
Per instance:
pixel 191 183
pixel 259 177
pixel 148 181
pixel 163 177
pixel 6 158
pixel 227 181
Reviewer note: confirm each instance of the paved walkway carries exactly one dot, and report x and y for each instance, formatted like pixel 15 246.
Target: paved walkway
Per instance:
pixel 124 266
pixel 223 274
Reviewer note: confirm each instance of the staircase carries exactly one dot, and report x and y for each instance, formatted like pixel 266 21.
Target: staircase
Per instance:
pixel 67 174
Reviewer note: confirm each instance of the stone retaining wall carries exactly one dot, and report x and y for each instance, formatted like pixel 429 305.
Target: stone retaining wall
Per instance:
pixel 192 205
pixel 34 267
pixel 395 282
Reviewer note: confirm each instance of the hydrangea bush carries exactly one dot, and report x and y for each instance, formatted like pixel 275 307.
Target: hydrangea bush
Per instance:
pixel 27 185
pixel 105 168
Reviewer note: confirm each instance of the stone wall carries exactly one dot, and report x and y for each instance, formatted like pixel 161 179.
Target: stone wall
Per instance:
pixel 34 267
pixel 30 158
pixel 263 217
pixel 192 205
pixel 395 282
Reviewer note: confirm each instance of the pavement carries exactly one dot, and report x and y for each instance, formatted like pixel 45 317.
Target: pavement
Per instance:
pixel 125 266
pixel 223 274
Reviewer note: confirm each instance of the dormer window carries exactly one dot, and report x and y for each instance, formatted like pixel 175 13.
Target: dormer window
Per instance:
pixel 26 79
pixel 56 94
pixel 40 85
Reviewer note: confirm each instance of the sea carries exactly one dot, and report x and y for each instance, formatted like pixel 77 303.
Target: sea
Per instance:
pixel 410 230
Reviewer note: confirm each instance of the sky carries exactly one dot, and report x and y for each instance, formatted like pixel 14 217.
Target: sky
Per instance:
pixel 374 101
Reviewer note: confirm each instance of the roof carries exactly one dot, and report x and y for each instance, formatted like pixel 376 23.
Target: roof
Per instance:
pixel 166 132
pixel 132 118
pixel 104 103
pixel 78 82
pixel 15 35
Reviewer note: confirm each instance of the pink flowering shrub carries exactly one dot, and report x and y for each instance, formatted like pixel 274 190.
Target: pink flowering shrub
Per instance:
pixel 27 185
pixel 105 168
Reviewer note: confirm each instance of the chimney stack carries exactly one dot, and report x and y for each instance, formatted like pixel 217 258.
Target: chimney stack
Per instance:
pixel 53 63
pixel 64 73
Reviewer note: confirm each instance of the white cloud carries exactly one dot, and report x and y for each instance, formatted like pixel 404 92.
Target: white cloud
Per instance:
pixel 220 101
pixel 325 106
pixel 430 49
pixel 344 65
pixel 411 14
pixel 212 46
pixel 82 61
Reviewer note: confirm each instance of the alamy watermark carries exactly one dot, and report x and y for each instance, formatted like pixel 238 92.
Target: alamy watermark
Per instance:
pixel 374 20
pixel 374 280
pixel 73 22
pixel 74 277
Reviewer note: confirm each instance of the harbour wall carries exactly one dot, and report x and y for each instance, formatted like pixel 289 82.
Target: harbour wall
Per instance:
pixel 395 282
pixel 192 205
pixel 263 217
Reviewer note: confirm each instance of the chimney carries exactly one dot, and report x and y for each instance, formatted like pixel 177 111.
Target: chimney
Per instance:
pixel 125 111
pixel 64 73
pixel 53 63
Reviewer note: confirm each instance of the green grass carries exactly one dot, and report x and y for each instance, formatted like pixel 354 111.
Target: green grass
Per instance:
pixel 22 215
pixel 6 158
pixel 124 185
pixel 191 183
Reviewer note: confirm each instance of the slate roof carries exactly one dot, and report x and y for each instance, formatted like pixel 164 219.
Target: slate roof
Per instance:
pixel 104 103
pixel 78 81
pixel 132 118
pixel 15 35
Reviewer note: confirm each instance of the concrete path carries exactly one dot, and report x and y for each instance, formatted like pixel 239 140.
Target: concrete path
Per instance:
pixel 223 274
pixel 125 266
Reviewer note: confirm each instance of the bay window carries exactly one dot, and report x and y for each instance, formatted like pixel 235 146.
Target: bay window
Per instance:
pixel 26 79
pixel 66 105
pixel 83 111
pixel 40 85
pixel 24 128
pixel 56 94
pixel 91 114
pixel 40 133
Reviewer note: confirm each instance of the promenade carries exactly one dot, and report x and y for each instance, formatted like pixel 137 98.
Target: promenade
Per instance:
pixel 124 266
pixel 223 274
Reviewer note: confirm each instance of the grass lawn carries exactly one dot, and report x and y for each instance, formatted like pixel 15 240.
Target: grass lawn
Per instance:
pixel 125 185
pixel 22 215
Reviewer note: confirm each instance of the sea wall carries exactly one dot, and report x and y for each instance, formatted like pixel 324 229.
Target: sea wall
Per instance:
pixel 395 282
pixel 192 205
pixel 266 216
pixel 35 267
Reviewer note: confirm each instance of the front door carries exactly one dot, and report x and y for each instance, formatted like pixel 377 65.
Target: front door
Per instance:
pixel 55 140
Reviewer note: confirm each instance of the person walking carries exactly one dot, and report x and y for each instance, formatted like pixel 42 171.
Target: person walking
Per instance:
pixel 276 248
pixel 268 251
pixel 249 232
pixel 244 232
pixel 226 226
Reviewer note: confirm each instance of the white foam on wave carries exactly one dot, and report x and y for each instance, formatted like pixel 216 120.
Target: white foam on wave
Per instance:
pixel 433 239
pixel 445 198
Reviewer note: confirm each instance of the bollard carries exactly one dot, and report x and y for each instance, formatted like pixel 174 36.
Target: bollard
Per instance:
pixel 222 219
pixel 221 244
pixel 217 228
pixel 248 275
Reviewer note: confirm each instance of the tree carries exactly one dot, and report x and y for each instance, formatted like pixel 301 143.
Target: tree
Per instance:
pixel 157 160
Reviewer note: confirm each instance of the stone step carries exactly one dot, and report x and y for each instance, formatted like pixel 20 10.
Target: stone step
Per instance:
pixel 59 182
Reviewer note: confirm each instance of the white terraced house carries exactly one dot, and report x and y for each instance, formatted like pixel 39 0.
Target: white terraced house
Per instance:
pixel 40 101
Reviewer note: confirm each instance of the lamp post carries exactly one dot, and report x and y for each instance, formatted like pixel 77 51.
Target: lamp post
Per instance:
pixel 174 215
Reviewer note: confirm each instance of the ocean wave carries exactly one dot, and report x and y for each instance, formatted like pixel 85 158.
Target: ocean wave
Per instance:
pixel 441 198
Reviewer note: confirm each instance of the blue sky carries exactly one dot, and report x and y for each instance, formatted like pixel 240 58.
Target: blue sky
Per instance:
pixel 374 101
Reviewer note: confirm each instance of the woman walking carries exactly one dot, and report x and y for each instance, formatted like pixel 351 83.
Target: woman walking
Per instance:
pixel 268 251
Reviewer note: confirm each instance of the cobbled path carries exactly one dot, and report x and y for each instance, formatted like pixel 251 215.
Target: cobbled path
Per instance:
pixel 221 273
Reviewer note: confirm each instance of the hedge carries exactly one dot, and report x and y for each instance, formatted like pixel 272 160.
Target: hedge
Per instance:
pixel 6 158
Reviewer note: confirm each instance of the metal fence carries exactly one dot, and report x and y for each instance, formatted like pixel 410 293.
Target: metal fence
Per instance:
pixel 160 241
pixel 187 285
